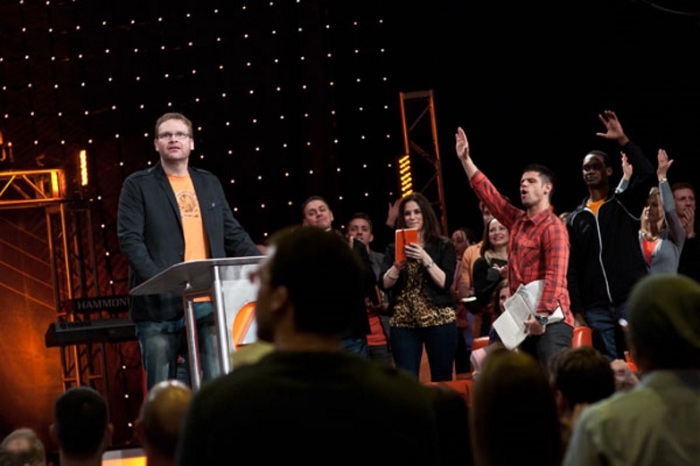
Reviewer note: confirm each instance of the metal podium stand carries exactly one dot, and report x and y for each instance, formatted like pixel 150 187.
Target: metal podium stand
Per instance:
pixel 225 281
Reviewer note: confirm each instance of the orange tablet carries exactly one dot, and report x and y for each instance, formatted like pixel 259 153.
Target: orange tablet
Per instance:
pixel 403 237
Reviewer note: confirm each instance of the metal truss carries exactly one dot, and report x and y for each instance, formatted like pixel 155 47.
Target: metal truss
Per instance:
pixel 421 147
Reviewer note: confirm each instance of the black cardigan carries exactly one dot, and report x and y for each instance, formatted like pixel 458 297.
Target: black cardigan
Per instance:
pixel 443 253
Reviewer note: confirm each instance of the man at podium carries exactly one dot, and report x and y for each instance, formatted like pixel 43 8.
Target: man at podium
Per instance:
pixel 168 214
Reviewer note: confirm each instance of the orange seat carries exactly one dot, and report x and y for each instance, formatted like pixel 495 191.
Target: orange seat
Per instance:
pixel 583 336
pixel 480 342
pixel 242 322
pixel 461 386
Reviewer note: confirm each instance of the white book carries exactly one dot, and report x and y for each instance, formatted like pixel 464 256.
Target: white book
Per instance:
pixel 510 325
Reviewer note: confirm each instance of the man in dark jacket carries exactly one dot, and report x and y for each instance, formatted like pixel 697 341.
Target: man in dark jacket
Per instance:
pixel 606 260
pixel 169 214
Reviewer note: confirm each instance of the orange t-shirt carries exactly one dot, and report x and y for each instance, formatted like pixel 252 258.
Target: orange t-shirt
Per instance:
pixel 376 337
pixel 196 244
pixel 471 254
pixel 594 206
pixel 648 247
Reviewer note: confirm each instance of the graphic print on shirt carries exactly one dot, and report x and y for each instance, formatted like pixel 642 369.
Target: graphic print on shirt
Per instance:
pixel 187 202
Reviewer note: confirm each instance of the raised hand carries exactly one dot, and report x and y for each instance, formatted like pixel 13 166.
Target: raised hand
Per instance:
pixel 462 148
pixel 614 131
pixel 462 145
pixel 626 167
pixel 393 213
pixel 664 164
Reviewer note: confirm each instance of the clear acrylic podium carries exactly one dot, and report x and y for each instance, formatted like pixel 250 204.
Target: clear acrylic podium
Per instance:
pixel 226 282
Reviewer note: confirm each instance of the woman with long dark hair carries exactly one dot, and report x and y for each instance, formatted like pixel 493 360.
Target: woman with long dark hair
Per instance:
pixel 418 287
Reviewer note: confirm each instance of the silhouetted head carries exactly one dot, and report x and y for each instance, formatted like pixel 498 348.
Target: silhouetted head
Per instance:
pixel 663 315
pixel 81 422
pixel 22 447
pixel 313 274
pixel 162 413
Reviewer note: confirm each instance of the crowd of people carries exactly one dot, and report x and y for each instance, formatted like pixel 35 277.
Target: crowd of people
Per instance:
pixel 347 328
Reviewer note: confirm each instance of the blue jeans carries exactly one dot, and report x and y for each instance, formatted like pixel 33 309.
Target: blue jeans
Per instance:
pixel 163 342
pixel 440 344
pixel 464 347
pixel 380 354
pixel 607 333
pixel 357 346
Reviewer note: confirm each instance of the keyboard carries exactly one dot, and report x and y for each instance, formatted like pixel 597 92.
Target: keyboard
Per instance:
pixel 90 331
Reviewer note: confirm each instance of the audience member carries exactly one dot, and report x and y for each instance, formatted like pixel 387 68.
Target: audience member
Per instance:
pixel 461 238
pixel 168 214
pixel 490 268
pixel 471 253
pixel 316 213
pixel 463 318
pixel 81 427
pixel 310 396
pixel 579 376
pixel 452 413
pixel 513 413
pixel 657 421
pixel 465 278
pixel 160 421
pixel 661 233
pixel 22 447
pixel 500 294
pixel 360 228
pixel 538 250
pixel 684 195
pixel 420 302
pixel 605 260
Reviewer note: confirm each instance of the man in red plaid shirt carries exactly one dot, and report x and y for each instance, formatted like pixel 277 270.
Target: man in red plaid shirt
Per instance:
pixel 538 250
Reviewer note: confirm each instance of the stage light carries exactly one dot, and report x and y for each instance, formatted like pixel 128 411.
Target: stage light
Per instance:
pixel 84 180
pixel 405 176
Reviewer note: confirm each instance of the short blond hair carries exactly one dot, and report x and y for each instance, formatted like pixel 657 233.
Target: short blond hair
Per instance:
pixel 174 116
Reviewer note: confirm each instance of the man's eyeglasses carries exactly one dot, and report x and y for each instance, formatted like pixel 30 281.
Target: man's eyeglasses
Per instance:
pixel 179 136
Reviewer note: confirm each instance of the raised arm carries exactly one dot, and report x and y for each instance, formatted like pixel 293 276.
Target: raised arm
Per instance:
pixel 642 179
pixel 500 207
pixel 626 174
pixel 664 163
pixel 462 148
pixel 673 221
pixel 613 128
